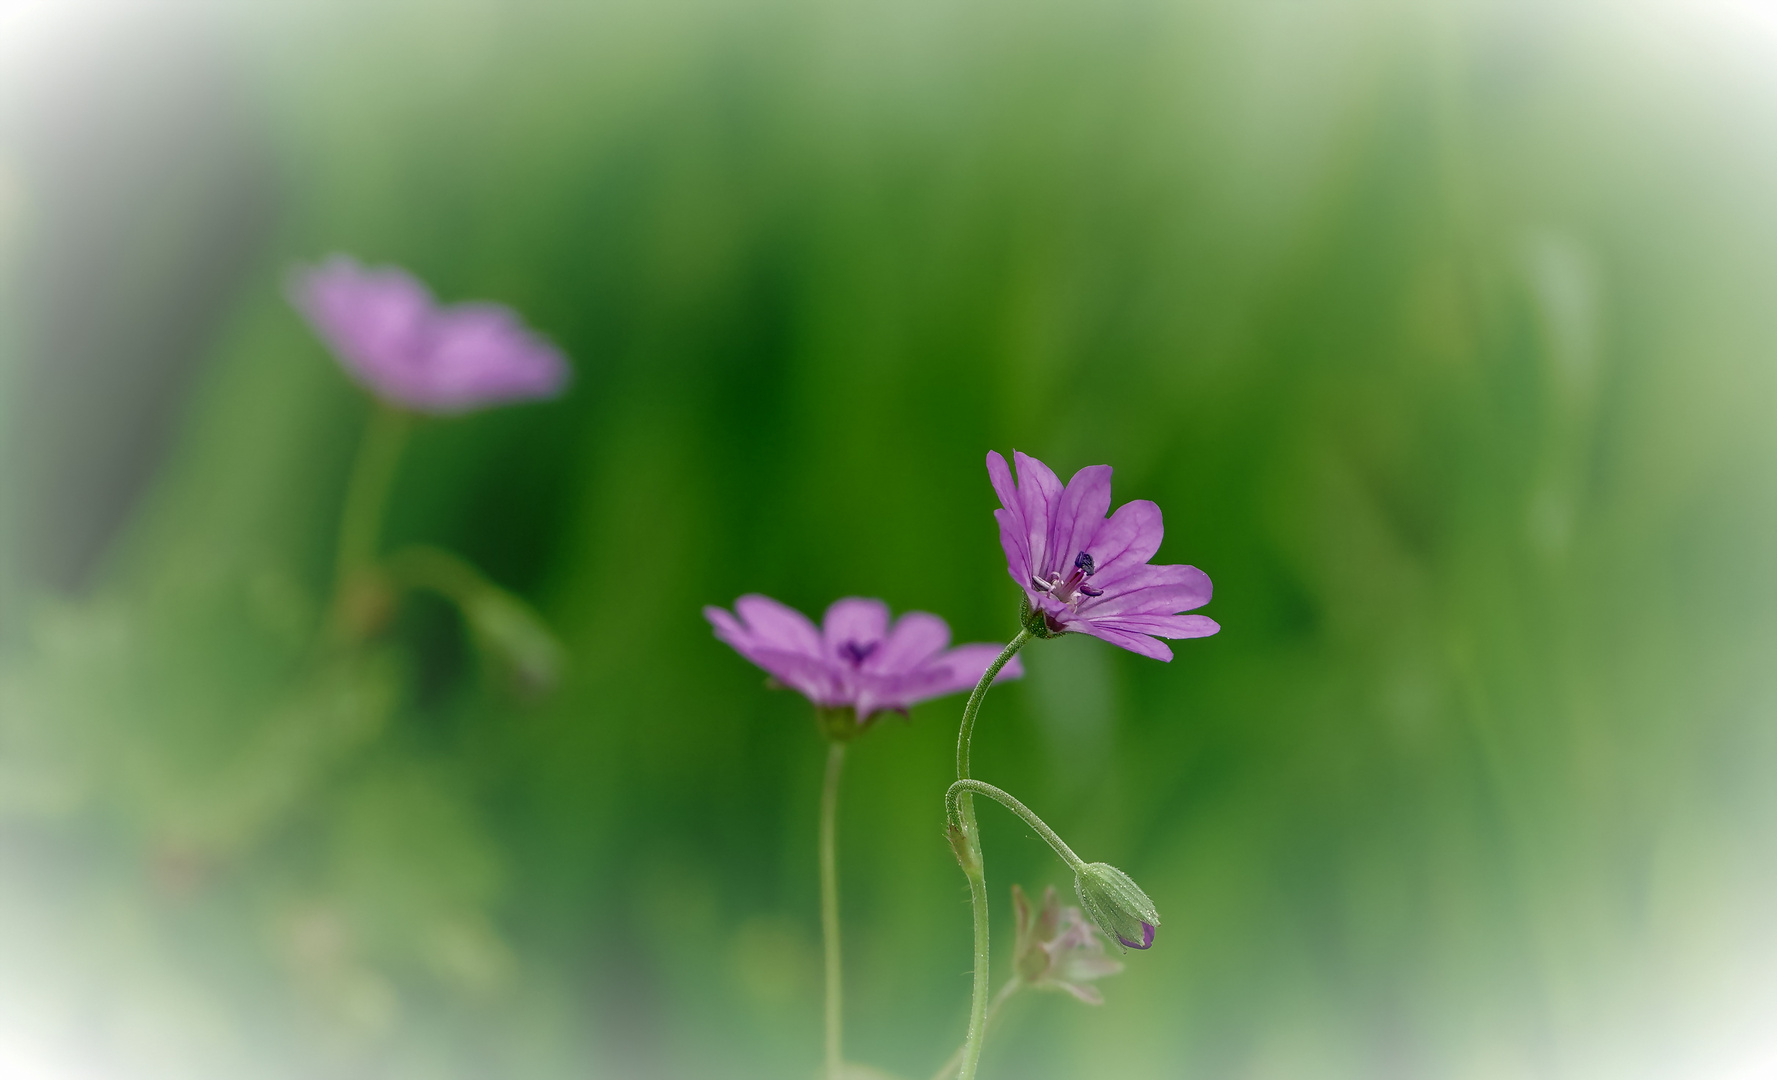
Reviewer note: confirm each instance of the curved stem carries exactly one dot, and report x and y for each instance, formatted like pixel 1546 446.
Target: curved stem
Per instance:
pixel 973 866
pixel 948 1069
pixel 367 491
pixel 973 708
pixel 961 787
pixel 830 907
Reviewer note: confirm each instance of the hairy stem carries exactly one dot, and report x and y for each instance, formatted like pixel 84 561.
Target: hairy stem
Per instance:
pixel 830 908
pixel 973 866
pixel 973 707
pixel 962 788
pixel 948 1069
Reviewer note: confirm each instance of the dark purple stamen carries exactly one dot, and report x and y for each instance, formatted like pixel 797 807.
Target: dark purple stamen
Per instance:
pixel 1147 937
pixel 1071 588
pixel 856 653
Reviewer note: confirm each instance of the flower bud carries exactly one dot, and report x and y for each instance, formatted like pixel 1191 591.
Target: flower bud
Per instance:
pixel 1117 905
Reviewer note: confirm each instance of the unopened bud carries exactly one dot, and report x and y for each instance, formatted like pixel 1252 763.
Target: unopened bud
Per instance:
pixel 1117 904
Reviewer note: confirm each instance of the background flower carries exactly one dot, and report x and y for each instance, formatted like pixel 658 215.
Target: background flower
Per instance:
pixel 1058 948
pixel 388 332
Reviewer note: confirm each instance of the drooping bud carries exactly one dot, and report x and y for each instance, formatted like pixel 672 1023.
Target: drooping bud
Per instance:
pixel 1117 904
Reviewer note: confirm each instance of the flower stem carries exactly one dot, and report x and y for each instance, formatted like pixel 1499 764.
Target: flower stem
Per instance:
pixel 830 907
pixel 948 1069
pixel 959 789
pixel 973 707
pixel 367 492
pixel 973 866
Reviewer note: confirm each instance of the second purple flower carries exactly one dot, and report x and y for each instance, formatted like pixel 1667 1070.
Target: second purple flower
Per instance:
pixel 856 659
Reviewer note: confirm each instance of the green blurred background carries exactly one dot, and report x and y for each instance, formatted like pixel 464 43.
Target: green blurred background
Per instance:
pixel 1443 332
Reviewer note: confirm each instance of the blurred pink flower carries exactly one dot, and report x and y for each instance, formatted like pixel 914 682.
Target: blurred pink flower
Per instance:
pixel 1083 572
pixel 394 338
pixel 1057 948
pixel 856 659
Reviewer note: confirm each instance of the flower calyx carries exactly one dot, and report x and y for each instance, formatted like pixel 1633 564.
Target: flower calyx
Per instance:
pixel 1117 904
pixel 1037 621
pixel 839 723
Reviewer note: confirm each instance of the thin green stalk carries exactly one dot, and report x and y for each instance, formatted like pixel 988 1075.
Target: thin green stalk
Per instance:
pixel 948 1069
pixel 973 866
pixel 367 491
pixel 835 1018
pixel 973 707
pixel 961 788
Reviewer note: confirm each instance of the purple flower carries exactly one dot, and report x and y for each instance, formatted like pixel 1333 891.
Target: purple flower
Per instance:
pixel 1083 572
pixel 392 337
pixel 855 660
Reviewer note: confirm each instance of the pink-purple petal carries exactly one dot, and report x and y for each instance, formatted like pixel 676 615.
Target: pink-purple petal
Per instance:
pixel 1167 626
pixel 1016 546
pixel 1126 541
pixel 916 637
pixel 481 354
pixel 1150 599
pixel 804 674
pixel 1135 643
pixel 855 621
pixel 964 665
pixel 778 626
pixel 1147 938
pixel 728 628
pixel 1039 492
pixel 391 336
pixel 1084 504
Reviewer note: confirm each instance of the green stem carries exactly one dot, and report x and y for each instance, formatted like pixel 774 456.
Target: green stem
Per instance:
pixel 835 1018
pixel 367 491
pixel 962 787
pixel 973 708
pixel 973 867
pixel 948 1069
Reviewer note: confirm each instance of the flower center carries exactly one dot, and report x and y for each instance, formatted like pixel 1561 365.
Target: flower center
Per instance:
pixel 857 653
pixel 1071 588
